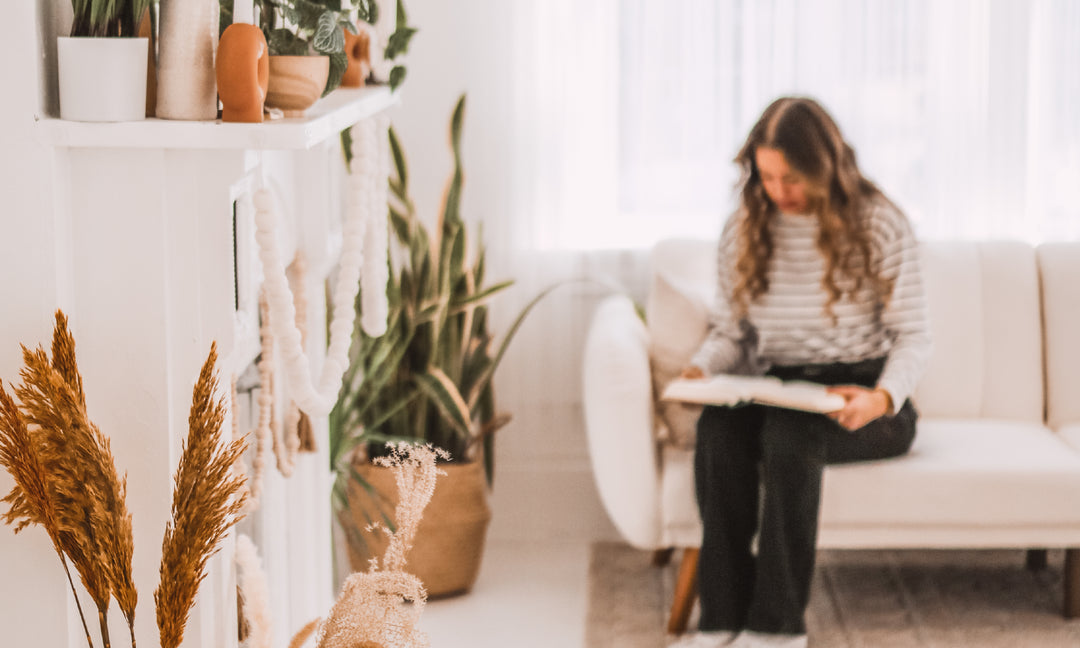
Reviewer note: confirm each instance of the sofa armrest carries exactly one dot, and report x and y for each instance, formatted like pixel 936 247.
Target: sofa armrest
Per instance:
pixel 619 420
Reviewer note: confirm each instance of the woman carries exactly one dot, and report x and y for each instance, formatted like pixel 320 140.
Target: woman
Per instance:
pixel 819 281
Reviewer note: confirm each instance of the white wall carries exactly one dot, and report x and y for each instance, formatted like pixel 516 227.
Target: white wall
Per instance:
pixel 28 295
pixel 543 487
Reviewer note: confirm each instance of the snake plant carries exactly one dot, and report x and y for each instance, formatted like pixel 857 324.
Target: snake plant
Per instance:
pixel 428 379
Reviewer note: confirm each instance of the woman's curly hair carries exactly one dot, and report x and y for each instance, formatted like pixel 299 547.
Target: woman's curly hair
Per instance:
pixel 837 194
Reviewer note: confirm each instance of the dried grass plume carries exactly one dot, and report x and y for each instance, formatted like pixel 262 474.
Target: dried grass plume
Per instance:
pixel 208 499
pixel 66 477
pixel 373 609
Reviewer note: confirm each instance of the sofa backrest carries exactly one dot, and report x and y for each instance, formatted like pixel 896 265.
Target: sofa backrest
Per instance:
pixel 1059 269
pixel 983 301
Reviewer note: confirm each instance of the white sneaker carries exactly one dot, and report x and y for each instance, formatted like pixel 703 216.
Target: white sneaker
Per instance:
pixel 714 639
pixel 751 639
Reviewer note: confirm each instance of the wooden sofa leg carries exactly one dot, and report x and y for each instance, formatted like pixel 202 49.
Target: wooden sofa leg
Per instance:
pixel 1036 559
pixel 662 557
pixel 685 592
pixel 1072 583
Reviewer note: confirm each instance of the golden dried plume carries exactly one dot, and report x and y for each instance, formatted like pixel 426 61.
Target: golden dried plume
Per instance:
pixel 208 499
pixel 87 494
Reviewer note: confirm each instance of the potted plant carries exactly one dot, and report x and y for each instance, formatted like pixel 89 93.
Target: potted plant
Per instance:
pixel 427 379
pixel 306 39
pixel 102 64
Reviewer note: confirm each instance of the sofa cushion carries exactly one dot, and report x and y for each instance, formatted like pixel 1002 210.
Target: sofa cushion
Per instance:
pixel 1070 434
pixel 962 473
pixel 1059 267
pixel 683 283
pixel 983 303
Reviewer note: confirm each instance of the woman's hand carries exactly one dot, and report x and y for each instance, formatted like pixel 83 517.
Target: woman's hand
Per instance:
pixel 692 372
pixel 861 405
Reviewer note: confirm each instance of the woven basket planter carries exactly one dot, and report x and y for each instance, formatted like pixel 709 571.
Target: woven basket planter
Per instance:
pixel 450 540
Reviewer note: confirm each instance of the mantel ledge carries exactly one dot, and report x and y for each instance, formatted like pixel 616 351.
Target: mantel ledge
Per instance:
pixel 329 116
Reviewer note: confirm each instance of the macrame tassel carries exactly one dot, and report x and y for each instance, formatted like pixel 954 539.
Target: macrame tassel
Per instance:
pixel 306 434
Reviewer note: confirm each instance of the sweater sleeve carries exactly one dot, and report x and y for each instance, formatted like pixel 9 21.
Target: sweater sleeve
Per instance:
pixel 723 349
pixel 905 315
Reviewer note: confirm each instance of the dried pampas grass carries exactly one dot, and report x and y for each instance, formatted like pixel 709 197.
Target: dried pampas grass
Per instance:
pixel 75 491
pixel 380 608
pixel 208 499
pixel 30 500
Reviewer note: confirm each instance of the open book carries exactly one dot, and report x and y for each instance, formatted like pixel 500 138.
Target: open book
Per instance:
pixel 726 389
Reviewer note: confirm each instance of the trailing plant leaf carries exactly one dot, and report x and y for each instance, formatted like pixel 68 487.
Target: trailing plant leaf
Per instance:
pixel 399 42
pixel 328 36
pixel 397 77
pixel 338 63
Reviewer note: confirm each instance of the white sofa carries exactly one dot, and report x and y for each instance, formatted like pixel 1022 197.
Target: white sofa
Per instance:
pixel 996 459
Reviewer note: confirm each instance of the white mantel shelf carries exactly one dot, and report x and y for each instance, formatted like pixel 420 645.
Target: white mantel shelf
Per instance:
pixel 329 116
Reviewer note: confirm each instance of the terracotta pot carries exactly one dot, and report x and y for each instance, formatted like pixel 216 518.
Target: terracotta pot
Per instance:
pixel 296 82
pixel 358 51
pixel 102 79
pixel 449 542
pixel 243 73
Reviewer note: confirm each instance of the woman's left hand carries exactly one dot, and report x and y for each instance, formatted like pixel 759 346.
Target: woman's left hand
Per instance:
pixel 861 406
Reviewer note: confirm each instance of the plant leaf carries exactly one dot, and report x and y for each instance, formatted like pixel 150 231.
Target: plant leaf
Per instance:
pixel 283 42
pixel 438 386
pixel 398 43
pixel 338 62
pixel 490 371
pixel 328 35
pixel 397 77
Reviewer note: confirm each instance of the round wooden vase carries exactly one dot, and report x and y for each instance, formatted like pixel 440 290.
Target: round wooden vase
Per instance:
pixel 243 73
pixel 296 82
pixel 358 51
pixel 449 543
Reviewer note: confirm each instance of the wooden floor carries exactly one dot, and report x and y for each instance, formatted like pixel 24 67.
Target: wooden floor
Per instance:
pixel 527 595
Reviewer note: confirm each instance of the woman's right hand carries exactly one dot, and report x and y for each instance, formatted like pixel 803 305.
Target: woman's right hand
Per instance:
pixel 692 372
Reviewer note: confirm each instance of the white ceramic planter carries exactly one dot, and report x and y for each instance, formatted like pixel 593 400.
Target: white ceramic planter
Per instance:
pixel 102 79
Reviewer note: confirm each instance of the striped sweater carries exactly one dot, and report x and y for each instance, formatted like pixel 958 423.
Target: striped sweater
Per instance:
pixel 788 324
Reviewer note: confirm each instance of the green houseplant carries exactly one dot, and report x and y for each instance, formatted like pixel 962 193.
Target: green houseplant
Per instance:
pixel 107 18
pixel 428 379
pixel 310 27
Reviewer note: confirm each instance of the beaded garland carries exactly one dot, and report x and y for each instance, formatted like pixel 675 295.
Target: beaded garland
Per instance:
pixel 365 218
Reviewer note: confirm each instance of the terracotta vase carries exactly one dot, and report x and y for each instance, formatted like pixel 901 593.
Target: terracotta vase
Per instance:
pixel 358 51
pixel 243 73
pixel 296 82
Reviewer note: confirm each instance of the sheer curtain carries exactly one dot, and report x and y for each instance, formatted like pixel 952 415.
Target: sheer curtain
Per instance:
pixel 618 121
pixel 964 111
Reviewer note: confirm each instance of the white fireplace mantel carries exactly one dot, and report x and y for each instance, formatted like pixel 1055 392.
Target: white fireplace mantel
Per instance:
pixel 328 117
pixel 154 261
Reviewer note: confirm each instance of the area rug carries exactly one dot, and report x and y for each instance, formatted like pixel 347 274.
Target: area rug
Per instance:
pixel 860 599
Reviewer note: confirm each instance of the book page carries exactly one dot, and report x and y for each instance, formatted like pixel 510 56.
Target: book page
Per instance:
pixel 724 389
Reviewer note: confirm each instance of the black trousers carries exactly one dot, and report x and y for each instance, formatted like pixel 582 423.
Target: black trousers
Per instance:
pixel 742 450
